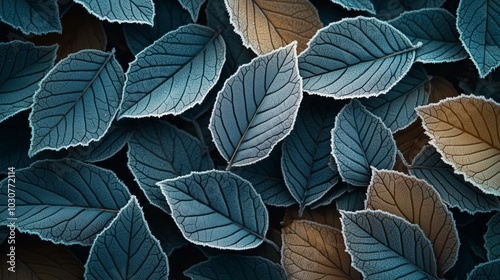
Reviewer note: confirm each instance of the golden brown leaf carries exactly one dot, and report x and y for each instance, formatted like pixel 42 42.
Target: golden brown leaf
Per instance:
pixel 420 204
pixel 439 88
pixel 466 132
pixel 266 25
pixel 411 140
pixel 314 251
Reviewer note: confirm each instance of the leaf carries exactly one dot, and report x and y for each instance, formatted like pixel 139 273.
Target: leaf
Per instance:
pixel 65 201
pixel 411 140
pixel 435 29
pixel 121 11
pixel 169 16
pixel 466 132
pixel 233 214
pixel 361 140
pixel 355 57
pixel 228 267
pixel 352 200
pixel 397 107
pixel 267 179
pixel 420 204
pixel 356 5
pixel 306 153
pixel 164 228
pixel 31 16
pixel 173 74
pixel 265 26
pixel 387 10
pixel 485 271
pixel 76 102
pixel 452 188
pixel 335 192
pixel 257 107
pixel 492 237
pixel 388 247
pixel 159 151
pixel 477 23
pixel 439 88
pixel 193 7
pixel 22 66
pixel 314 251
pixel 325 215
pixel 126 249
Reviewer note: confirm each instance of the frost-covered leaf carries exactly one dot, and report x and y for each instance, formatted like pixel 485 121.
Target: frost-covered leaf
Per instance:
pixel 314 251
pixel 65 201
pixel 334 193
pixel 169 16
pixel 193 7
pixel 22 66
pixel 267 25
pixel 356 5
pixel 390 9
pixel 387 247
pixel 440 88
pixel 485 271
pixel 411 140
pixel 492 237
pixel 435 29
pixel 355 57
pixel 352 200
pixel 229 267
pixel 452 187
pixel 76 102
pixel 478 22
pixel 159 151
pixel 361 140
pixel 466 132
pixel 217 209
pixel 126 249
pixel 420 204
pixel 31 16
pixel 306 153
pixel 121 11
pixel 397 107
pixel 173 74
pixel 257 107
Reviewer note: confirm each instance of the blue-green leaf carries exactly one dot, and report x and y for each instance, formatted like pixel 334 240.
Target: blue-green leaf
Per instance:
pixel 31 16
pixel 355 57
pixel 352 200
pixel 257 107
pixel 356 5
pixel 390 9
pixel 22 66
pixel 193 7
pixel 159 151
pixel 228 267
pixel 384 246
pixel 334 193
pixel 397 107
pixel 121 11
pixel 492 237
pixel 452 188
pixel 267 179
pixel 478 22
pixel 65 201
pixel 486 271
pixel 126 249
pixel 169 16
pixel 217 209
pixel 76 102
pixel 306 153
pixel 173 74
pixel 361 140
pixel 435 29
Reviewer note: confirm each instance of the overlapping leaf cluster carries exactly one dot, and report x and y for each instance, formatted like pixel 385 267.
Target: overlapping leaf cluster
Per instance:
pixel 231 109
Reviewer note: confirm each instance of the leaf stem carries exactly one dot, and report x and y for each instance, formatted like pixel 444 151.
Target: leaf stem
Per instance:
pixel 270 242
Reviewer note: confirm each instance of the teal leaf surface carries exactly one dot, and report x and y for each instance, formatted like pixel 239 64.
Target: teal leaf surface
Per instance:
pixel 384 246
pixel 486 271
pixel 355 57
pixel 169 16
pixel 306 153
pixel 452 187
pixel 397 107
pixel 390 9
pixel 217 209
pixel 76 102
pixel 31 16
pixel 478 22
pixel 173 74
pixel 193 7
pixel 257 107
pixel 159 151
pixel 435 29
pixel 121 11
pixel 126 249
pixel 361 140
pixel 356 5
pixel 228 267
pixel 334 193
pixel 352 200
pixel 22 66
pixel 65 201
pixel 492 238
